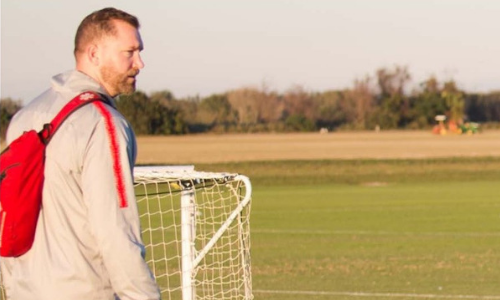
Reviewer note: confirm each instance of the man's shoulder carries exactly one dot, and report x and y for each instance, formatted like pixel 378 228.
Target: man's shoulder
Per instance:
pixel 31 116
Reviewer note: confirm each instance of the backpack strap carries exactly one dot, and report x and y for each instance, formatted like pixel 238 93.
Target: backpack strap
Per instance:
pixel 80 100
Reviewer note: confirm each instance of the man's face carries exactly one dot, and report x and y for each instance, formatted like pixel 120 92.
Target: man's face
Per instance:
pixel 121 60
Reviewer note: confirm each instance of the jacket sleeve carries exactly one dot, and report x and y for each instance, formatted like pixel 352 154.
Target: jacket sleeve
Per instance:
pixel 107 183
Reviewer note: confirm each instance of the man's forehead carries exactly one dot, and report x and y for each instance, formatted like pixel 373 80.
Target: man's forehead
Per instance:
pixel 126 34
pixel 122 27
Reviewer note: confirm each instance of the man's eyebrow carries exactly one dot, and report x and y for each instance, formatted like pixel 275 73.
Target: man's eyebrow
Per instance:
pixel 134 48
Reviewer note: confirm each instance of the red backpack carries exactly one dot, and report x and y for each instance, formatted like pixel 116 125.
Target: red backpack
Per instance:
pixel 22 166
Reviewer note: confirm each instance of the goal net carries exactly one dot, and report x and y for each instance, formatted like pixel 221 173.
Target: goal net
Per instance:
pixel 197 232
pixel 195 226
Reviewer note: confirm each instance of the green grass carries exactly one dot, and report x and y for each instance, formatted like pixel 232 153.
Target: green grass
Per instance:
pixel 424 238
pixel 355 171
pixel 341 228
pixel 374 229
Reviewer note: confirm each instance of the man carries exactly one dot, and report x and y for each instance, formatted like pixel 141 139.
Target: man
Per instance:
pixel 87 243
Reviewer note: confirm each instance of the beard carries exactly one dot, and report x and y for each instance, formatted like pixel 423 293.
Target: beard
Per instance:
pixel 119 83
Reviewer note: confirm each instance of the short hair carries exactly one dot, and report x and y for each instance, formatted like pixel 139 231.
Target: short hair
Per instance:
pixel 99 24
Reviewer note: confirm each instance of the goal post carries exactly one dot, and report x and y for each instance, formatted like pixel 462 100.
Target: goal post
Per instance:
pixel 196 228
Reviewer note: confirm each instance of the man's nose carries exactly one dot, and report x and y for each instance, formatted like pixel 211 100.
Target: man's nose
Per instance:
pixel 138 62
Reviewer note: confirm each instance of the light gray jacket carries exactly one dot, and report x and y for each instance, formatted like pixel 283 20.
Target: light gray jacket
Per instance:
pixel 88 241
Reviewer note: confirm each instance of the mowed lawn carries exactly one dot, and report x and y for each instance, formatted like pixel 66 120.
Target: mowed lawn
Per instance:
pixel 402 240
pixel 398 215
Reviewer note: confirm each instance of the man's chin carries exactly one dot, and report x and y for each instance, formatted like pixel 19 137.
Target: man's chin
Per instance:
pixel 127 90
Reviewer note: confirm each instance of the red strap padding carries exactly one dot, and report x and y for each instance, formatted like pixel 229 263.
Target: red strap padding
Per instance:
pixel 77 102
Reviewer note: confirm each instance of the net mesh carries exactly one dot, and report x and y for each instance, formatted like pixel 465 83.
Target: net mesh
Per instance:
pixel 220 230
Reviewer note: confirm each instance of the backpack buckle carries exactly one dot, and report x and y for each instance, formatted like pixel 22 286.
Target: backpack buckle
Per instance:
pixel 45 133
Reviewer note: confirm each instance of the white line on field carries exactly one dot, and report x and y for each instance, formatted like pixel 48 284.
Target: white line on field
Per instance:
pixel 361 232
pixel 392 295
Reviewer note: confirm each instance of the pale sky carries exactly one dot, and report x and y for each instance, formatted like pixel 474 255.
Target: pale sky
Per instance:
pixel 202 47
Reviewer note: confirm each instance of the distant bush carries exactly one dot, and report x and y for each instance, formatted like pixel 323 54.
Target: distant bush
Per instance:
pixel 8 109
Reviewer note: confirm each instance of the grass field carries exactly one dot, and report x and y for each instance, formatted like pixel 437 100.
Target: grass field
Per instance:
pixel 400 240
pixel 425 225
pixel 349 216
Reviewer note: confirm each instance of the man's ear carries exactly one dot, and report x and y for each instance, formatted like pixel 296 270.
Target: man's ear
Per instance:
pixel 93 54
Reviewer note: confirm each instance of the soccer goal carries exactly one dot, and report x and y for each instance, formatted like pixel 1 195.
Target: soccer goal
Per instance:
pixel 196 229
pixel 197 232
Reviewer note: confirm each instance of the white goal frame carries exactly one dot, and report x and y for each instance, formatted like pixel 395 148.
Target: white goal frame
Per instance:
pixel 193 259
pixel 190 186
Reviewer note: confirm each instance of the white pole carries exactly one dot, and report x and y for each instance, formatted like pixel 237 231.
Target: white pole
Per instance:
pixel 245 248
pixel 229 220
pixel 187 238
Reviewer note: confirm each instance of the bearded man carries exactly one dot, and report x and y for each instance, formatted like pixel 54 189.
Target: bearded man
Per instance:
pixel 88 241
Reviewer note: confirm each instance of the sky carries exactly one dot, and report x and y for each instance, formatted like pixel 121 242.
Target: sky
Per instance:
pixel 204 47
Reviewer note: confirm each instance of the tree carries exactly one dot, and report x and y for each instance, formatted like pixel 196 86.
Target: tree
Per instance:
pixel 394 106
pixel 483 107
pixel 216 111
pixel 427 103
pixel 8 109
pixel 329 112
pixel 255 106
pixel 392 82
pixel 298 101
pixel 454 100
pixel 359 104
pixel 150 117
pixel 298 122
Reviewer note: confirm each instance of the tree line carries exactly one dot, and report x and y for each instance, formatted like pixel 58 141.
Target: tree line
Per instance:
pixel 383 100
